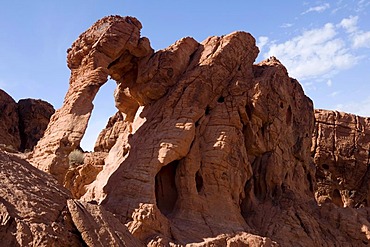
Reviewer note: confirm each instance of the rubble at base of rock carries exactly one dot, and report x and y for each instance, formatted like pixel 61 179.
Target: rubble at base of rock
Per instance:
pixel 207 148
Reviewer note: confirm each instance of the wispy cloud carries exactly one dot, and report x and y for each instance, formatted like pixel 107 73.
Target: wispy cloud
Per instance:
pixel 333 94
pixel 359 38
pixel 361 5
pixel 262 41
pixel 349 24
pixel 318 8
pixel 314 53
pixel 286 25
pixel 329 83
pixel 361 108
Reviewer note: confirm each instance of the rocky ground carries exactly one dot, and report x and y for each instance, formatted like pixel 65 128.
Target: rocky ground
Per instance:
pixel 207 149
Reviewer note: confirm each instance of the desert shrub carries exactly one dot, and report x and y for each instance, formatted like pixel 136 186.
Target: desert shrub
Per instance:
pixel 76 157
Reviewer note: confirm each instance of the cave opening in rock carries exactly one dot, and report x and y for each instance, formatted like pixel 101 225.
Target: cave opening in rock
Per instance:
pixel 337 198
pixel 165 188
pixel 221 99
pixel 325 166
pixel 199 181
pixel 104 108
pixel 288 116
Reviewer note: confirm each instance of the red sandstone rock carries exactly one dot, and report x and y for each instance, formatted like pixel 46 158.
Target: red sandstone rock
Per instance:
pixel 79 176
pixel 90 58
pixel 211 149
pixel 341 151
pixel 34 116
pixel 108 136
pixel 9 130
pixel 32 207
pixel 99 227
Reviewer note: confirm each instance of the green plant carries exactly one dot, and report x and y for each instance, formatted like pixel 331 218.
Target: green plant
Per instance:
pixel 76 157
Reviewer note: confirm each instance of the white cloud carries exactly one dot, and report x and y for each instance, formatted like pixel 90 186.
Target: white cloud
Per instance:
pixel 286 25
pixel 319 8
pixel 349 24
pixel 314 53
pixel 362 4
pixel 329 83
pixel 333 94
pixel 361 40
pixel 361 108
pixel 262 41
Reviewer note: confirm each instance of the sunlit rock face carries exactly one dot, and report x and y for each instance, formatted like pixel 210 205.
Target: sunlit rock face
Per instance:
pixel 207 147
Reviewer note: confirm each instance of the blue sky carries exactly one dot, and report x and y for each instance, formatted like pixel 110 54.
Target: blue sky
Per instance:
pixel 324 44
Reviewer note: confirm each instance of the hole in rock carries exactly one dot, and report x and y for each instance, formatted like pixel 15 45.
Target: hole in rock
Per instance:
pixel 208 110
pixel 165 188
pixel 221 99
pixel 337 198
pixel 103 109
pixel 245 204
pixel 288 115
pixel 248 109
pixel 199 181
pixel 281 105
pixel 325 166
pixel 309 178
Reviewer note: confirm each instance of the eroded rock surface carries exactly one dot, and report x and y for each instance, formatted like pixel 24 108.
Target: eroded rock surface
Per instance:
pixel 33 208
pixel 34 117
pixel 90 58
pixel 22 124
pixel 208 148
pixel 108 136
pixel 341 152
pixel 9 121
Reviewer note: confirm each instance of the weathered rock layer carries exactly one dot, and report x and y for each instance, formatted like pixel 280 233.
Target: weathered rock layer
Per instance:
pixel 341 152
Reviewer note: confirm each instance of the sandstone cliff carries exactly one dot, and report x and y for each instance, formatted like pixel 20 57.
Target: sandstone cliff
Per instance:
pixel 341 152
pixel 207 149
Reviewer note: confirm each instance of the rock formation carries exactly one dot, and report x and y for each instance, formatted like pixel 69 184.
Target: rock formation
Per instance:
pixel 207 149
pixel 341 152
pixel 22 124
pixel 34 117
pixel 9 127
pixel 108 136
pixel 33 208
pixel 90 58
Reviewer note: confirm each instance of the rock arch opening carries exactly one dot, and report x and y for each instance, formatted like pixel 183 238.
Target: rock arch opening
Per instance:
pixel 104 108
pixel 165 188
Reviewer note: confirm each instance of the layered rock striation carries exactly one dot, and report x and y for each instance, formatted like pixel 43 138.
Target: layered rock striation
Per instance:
pixel 207 149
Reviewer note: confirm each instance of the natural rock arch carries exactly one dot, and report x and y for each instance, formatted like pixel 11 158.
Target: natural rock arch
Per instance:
pixel 91 59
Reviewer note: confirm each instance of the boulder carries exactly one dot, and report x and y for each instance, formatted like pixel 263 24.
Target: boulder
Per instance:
pixel 33 208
